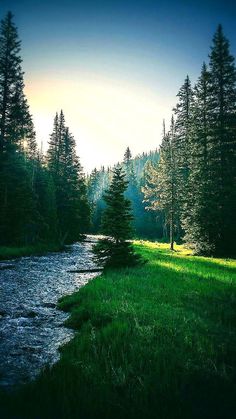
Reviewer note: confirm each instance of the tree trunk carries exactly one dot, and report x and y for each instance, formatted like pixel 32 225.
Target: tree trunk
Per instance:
pixel 171 231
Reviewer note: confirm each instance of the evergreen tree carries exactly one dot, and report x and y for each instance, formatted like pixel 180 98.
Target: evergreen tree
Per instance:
pixel 133 192
pixel 53 147
pixel 223 143
pixel 183 120
pixel 210 225
pixel 201 198
pixel 116 250
pixel 143 221
pixel 127 156
pixel 167 175
pixel 73 210
pixel 160 190
pixel 46 204
pixel 151 199
pixel 18 210
pixel 19 218
pixel 15 120
pixel 97 183
pixel 76 208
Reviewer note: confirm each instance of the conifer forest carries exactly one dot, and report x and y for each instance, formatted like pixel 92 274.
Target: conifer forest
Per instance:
pixel 117 284
pixel 184 191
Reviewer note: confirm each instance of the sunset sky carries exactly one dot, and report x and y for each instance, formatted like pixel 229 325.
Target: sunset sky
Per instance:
pixel 114 67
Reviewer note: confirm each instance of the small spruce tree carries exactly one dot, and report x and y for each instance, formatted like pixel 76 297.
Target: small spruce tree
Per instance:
pixel 115 250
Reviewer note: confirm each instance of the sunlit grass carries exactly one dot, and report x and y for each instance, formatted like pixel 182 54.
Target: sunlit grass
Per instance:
pixel 182 260
pixel 155 341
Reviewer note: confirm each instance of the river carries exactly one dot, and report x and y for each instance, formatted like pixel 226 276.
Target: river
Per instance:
pixel 31 327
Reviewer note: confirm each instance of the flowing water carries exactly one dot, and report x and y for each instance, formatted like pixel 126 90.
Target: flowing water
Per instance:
pixel 31 327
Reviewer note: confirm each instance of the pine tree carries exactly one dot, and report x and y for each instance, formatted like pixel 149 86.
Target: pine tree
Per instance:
pixel 183 120
pixel 160 190
pixel 52 152
pixel 201 199
pixel 15 119
pixel 56 144
pixel 46 204
pixel 152 219
pixel 116 250
pixel 151 199
pixel 19 218
pixel 18 212
pixel 150 189
pixel 73 210
pixel 223 142
pixel 95 192
pixel 98 182
pixel 127 155
pixel 167 182
pixel 145 223
pixel 133 192
pixel 210 225
pixel 76 207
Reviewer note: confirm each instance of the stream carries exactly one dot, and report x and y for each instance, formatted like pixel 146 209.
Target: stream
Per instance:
pixel 31 327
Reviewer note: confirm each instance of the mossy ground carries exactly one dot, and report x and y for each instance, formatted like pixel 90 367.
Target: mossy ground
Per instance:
pixel 156 341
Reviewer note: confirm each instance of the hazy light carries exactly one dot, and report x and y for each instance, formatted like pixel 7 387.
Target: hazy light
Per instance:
pixel 105 116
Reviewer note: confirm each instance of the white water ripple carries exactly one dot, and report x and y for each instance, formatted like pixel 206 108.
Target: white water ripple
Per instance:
pixel 31 327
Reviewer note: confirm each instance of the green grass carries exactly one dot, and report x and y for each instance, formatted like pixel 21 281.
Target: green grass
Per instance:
pixel 156 341
pixel 39 249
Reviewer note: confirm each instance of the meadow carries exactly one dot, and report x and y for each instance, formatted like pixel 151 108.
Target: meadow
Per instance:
pixel 156 341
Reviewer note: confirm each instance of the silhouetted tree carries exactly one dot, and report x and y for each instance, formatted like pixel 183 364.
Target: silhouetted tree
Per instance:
pixel 18 209
pixel 73 210
pixel 15 120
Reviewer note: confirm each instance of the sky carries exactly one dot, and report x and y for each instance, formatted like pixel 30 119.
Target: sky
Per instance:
pixel 114 67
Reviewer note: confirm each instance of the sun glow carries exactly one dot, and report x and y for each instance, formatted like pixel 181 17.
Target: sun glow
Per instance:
pixel 105 116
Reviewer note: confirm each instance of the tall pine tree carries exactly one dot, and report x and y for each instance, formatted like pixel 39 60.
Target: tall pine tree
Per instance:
pixel 210 225
pixel 223 142
pixel 202 200
pixel 73 210
pixel 183 120
pixel 15 120
pixel 18 211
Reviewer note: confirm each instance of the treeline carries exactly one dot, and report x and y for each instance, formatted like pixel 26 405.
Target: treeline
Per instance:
pixel 184 192
pixel 42 198
pixel 145 224
pixel 194 184
pixel 188 192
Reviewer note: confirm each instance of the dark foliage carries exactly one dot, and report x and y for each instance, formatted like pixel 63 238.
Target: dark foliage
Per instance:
pixel 202 158
pixel 115 250
pixel 40 202
pixel 70 189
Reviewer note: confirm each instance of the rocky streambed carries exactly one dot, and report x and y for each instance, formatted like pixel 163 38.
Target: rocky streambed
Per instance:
pixel 31 327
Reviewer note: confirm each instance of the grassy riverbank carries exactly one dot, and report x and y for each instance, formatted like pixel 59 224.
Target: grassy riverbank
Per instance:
pixel 156 341
pixel 39 249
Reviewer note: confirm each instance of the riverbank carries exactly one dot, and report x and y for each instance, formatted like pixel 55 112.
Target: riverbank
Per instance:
pixel 7 253
pixel 156 341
